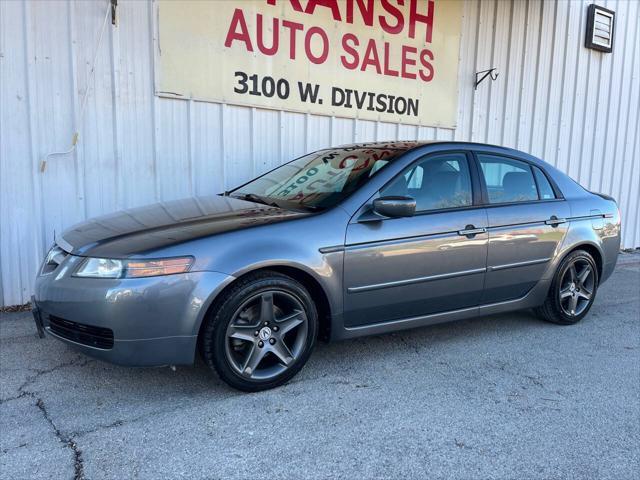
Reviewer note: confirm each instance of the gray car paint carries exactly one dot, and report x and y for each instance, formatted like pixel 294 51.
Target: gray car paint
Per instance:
pixel 376 276
pixel 403 267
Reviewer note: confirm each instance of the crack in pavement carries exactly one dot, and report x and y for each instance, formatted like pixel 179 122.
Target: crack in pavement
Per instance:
pixel 145 416
pixel 7 450
pixel 22 392
pixel 68 441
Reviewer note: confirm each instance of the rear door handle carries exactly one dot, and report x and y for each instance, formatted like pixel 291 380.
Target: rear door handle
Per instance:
pixel 470 231
pixel 555 221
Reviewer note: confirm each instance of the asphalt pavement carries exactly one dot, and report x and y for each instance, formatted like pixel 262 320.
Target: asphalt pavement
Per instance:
pixel 506 396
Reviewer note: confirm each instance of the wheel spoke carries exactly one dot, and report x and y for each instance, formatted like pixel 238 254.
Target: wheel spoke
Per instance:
pixel 288 323
pixel 564 293
pixel 253 360
pixel 584 274
pixel 584 294
pixel 573 304
pixel 573 273
pixel 266 307
pixel 282 352
pixel 242 332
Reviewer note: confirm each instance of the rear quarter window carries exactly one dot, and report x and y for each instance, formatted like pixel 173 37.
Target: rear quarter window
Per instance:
pixel 544 187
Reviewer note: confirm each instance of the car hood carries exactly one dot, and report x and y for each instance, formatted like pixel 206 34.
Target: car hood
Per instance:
pixel 139 231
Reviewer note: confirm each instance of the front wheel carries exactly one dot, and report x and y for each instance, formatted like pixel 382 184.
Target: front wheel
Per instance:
pixel 262 332
pixel 572 291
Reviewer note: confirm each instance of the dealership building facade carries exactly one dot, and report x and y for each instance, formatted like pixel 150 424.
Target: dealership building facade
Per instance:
pixel 105 105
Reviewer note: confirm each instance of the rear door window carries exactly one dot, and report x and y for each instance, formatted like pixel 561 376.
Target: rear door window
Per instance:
pixel 507 180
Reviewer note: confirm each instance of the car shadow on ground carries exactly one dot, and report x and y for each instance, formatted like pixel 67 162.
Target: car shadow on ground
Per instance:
pixel 347 355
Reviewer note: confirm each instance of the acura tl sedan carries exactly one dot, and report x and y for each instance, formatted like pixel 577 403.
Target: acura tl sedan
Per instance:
pixel 343 242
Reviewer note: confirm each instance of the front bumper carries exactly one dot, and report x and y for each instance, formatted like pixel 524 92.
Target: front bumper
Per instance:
pixel 35 311
pixel 154 321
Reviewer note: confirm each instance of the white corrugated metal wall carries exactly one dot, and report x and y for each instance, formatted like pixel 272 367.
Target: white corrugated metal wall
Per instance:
pixel 577 108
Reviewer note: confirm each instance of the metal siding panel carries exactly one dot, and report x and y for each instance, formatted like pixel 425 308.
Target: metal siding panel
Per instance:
pixel 603 108
pixel 138 181
pixel 630 228
pixel 636 241
pixel 466 69
pixel 445 134
pixel 293 135
pixel 557 68
pixel 19 207
pixel 173 149
pixel 386 131
pixel 95 147
pixel 38 226
pixel 427 133
pixel 587 133
pixel 483 59
pixel 541 96
pixel 513 75
pixel 408 132
pixel 208 163
pixel 237 150
pixel 266 140
pixel 568 85
pixel 342 130
pixel 54 98
pixel 626 31
pixel 318 132
pixel 497 92
pixel 528 82
pixel 366 131
pixel 615 101
pixel 630 166
pixel 579 94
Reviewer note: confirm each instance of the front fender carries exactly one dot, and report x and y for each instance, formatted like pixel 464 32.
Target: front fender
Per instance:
pixel 298 244
pixel 207 290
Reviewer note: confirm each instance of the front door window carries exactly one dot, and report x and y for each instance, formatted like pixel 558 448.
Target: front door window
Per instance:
pixel 436 183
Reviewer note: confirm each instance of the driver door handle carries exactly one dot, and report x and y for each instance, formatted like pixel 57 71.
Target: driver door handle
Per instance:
pixel 471 231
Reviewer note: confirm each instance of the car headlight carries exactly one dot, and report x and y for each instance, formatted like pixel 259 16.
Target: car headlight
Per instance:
pixel 114 268
pixel 55 255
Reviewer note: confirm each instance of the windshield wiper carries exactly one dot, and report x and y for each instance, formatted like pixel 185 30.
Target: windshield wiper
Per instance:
pixel 252 197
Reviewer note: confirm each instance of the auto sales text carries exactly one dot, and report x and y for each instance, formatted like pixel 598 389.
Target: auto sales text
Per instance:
pixel 411 19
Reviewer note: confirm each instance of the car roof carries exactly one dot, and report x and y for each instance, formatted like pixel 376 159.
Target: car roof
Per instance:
pixel 390 145
pixel 406 145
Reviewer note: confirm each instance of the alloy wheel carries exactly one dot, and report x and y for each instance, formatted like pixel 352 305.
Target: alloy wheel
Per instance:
pixel 577 287
pixel 266 335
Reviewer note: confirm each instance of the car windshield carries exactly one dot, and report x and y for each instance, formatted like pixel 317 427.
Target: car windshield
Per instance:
pixel 319 180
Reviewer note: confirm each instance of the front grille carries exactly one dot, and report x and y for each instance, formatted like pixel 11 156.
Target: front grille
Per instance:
pixel 85 334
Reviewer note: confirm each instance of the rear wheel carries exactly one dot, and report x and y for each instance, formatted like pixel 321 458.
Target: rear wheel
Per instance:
pixel 572 291
pixel 262 332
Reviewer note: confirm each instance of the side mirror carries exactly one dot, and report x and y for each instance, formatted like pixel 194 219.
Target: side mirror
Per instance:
pixel 395 207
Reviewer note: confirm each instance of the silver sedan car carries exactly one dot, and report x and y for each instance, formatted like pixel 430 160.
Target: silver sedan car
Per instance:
pixel 348 241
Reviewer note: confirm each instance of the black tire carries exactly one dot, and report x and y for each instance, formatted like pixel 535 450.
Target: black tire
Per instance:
pixel 562 296
pixel 236 312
